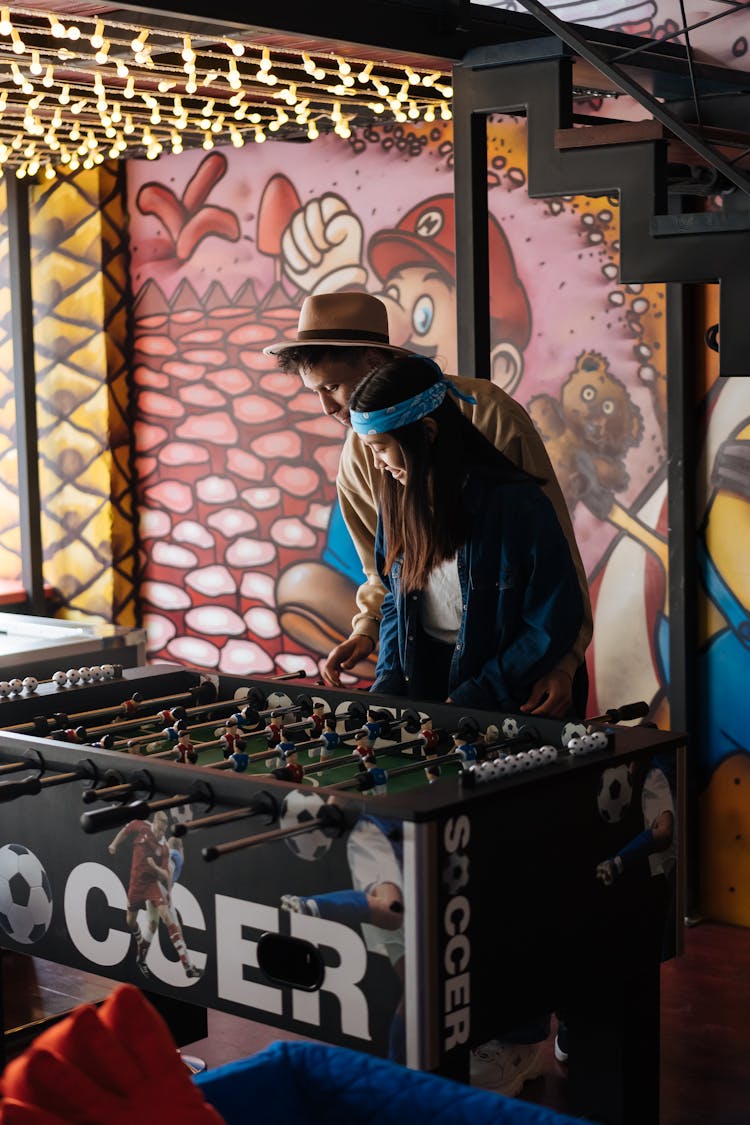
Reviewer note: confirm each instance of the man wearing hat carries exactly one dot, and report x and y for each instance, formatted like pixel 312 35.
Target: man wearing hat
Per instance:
pixel 343 336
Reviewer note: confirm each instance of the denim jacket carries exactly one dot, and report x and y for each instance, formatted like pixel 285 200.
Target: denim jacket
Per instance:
pixel 521 600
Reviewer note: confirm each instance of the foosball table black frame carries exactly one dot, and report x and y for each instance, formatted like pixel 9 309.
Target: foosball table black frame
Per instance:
pixel 503 914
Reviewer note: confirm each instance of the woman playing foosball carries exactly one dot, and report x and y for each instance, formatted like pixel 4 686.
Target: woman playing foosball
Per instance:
pixel 482 595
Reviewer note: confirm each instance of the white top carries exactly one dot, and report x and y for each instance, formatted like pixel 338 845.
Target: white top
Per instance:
pixel 442 606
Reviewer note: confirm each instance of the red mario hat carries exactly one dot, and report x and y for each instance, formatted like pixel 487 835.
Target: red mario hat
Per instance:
pixel 426 236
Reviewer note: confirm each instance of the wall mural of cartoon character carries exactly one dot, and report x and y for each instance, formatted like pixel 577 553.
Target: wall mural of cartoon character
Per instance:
pixel 246 566
pixel 722 742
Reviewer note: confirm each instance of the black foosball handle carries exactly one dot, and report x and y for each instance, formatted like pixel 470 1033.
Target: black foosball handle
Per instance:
pixel 28 787
pixel 637 710
pixel 97 820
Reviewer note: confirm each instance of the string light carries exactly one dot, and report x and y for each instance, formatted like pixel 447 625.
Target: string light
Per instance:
pixel 341 92
pixel 97 39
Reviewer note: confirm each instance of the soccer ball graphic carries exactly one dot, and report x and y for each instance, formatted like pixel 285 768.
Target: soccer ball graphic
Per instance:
pixel 182 814
pixel 615 794
pixel 25 895
pixel 571 730
pixel 511 729
pixel 278 700
pixel 300 807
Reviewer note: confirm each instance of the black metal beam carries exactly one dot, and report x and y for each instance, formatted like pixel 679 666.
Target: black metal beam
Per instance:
pixel 443 29
pixel 472 250
pixel 24 377
pixel 578 41
pixel 682 327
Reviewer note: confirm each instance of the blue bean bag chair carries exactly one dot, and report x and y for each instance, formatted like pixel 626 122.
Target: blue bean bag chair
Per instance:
pixel 311 1083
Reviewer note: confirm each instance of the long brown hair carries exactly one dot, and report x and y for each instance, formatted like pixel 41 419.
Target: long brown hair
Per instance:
pixel 425 519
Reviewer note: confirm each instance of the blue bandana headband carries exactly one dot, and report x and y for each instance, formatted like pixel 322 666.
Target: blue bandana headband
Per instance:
pixel 390 418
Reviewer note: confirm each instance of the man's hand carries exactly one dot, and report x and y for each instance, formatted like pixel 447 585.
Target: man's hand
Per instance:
pixel 551 695
pixel 345 656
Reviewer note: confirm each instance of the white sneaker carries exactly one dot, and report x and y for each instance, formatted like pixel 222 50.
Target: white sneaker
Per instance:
pixel 294 904
pixel 504 1067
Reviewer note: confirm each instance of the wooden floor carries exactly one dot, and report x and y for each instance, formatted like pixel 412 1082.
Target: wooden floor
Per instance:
pixel 705 1072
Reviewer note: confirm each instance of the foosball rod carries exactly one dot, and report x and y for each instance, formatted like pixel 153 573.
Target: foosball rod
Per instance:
pixel 96 820
pixel 264 803
pixel 330 820
pixel 438 760
pixel 126 707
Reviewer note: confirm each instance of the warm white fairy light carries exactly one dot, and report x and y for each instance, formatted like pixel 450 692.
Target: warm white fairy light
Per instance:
pixel 188 54
pixel 342 92
pixel 97 39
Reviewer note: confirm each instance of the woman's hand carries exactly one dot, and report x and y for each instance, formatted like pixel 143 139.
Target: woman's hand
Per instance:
pixel 346 656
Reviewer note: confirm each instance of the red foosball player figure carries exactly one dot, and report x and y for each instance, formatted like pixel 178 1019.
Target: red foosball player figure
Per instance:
pixel 317 718
pixel 429 738
pixel 291 770
pixel 171 715
pixel 130 706
pixel 231 737
pixel 185 750
pixel 374 780
pixel 362 746
pixel 274 733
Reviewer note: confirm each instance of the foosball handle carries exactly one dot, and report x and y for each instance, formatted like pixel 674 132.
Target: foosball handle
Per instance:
pixel 627 711
pixel 28 787
pixel 97 820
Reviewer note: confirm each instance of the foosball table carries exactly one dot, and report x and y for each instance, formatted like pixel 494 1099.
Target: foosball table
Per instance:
pixel 402 878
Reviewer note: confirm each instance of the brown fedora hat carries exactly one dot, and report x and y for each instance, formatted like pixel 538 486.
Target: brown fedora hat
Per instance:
pixel 341 319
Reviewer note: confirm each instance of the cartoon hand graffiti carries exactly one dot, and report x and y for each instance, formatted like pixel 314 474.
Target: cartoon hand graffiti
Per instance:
pixel 187 221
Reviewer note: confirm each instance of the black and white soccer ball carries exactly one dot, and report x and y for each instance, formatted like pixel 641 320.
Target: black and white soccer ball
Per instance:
pixel 298 808
pixel 614 794
pixel 25 895
pixel 278 701
pixel 181 814
pixel 511 727
pixel 571 730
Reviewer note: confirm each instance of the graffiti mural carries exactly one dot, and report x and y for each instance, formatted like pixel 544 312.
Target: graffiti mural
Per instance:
pixel 246 563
